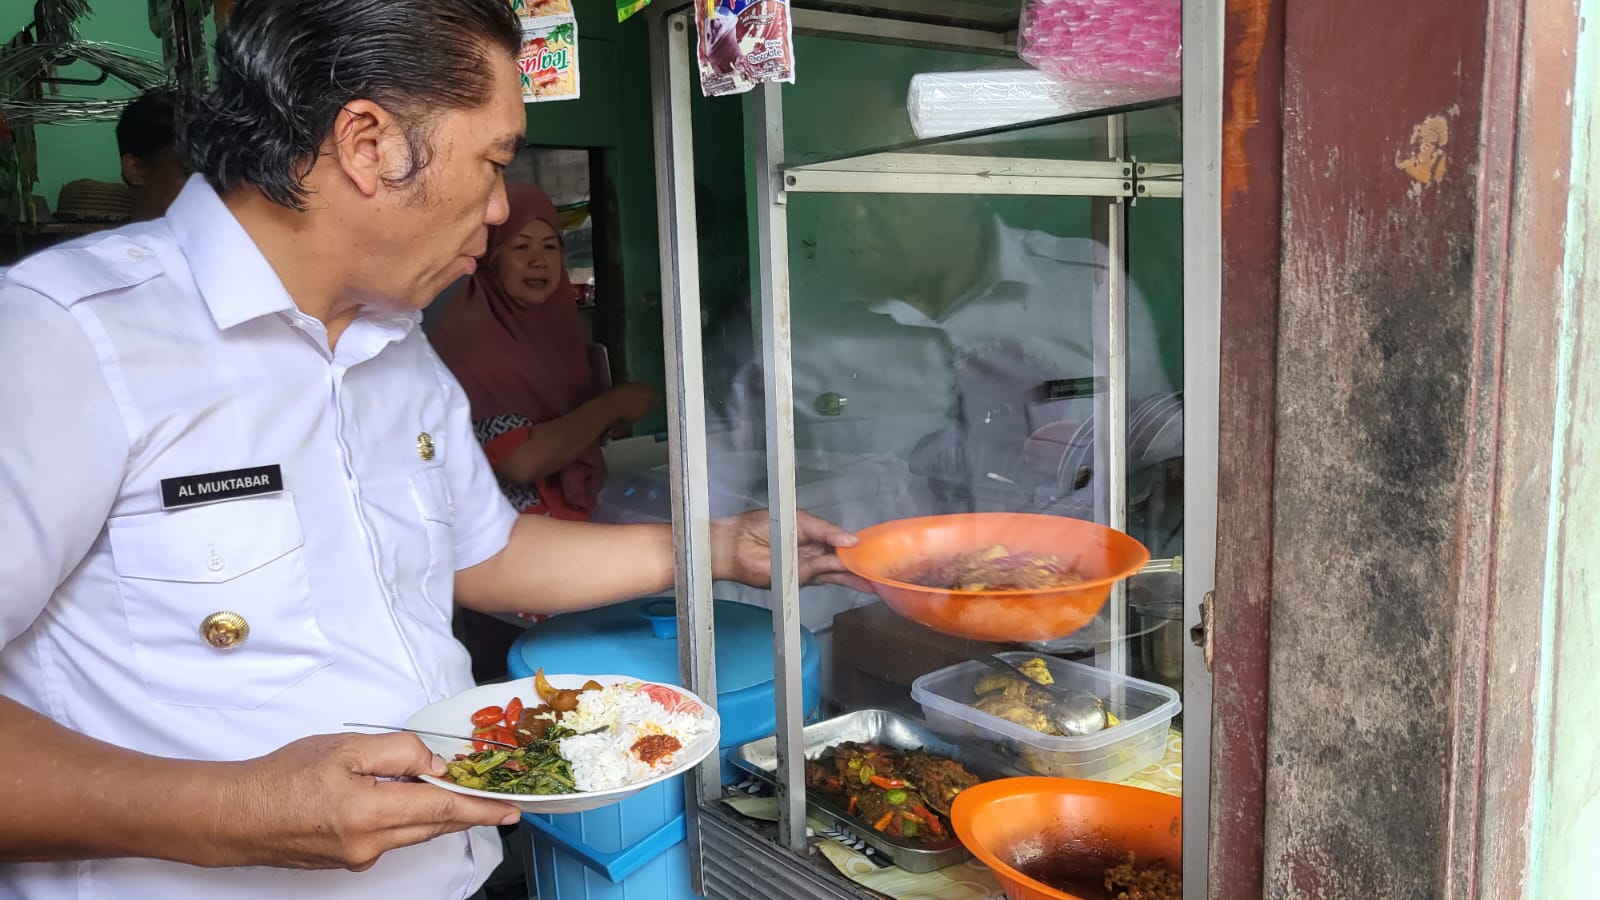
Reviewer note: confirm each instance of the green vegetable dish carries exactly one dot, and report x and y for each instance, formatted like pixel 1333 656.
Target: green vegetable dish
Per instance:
pixel 536 768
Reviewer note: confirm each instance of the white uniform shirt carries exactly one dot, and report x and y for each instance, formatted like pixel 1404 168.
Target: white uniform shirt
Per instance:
pixel 170 351
pixel 957 396
pixel 1030 317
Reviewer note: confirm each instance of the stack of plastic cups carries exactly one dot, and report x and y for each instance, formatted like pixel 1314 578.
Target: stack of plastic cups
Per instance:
pixel 1128 41
pixel 945 103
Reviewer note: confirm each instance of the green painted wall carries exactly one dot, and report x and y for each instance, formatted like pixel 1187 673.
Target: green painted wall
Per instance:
pixel 1566 826
pixel 69 152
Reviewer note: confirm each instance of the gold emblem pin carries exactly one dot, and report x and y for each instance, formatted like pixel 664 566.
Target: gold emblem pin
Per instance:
pixel 425 446
pixel 224 630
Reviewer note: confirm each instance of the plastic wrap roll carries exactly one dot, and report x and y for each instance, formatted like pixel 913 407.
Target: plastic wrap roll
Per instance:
pixel 944 103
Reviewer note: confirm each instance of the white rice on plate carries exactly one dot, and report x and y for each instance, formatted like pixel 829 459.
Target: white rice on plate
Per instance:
pixel 605 760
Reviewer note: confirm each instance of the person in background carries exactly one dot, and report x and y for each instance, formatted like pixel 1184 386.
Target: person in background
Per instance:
pixel 147 141
pixel 515 341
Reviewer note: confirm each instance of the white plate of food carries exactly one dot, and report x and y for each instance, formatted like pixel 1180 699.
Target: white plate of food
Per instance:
pixel 587 741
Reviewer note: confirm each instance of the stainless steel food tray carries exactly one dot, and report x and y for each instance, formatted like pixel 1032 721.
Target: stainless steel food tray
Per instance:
pixel 871 726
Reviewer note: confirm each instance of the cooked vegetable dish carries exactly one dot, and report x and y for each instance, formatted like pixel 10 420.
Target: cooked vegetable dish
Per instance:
pixel 536 768
pixel 995 569
pixel 903 794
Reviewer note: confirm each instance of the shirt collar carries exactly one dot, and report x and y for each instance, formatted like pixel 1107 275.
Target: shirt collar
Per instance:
pixel 400 320
pixel 1008 269
pixel 235 280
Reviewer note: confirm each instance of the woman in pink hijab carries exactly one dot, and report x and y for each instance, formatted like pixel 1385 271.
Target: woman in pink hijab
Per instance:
pixel 515 341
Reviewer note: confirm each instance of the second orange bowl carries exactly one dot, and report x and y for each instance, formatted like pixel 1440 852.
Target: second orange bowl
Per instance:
pixel 1083 825
pixel 1100 555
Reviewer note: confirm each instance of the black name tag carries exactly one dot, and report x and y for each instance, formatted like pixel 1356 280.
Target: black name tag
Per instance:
pixel 192 490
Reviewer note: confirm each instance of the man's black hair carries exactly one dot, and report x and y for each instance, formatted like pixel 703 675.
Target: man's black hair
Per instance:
pixel 286 67
pixel 148 125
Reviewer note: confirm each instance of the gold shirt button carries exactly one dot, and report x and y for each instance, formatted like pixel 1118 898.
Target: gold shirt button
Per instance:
pixel 224 630
pixel 425 446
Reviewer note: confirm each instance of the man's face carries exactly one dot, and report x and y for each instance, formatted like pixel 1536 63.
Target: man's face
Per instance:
pixel 431 231
pixel 155 180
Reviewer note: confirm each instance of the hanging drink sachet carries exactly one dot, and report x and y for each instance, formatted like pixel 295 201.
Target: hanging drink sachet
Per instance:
pixel 743 43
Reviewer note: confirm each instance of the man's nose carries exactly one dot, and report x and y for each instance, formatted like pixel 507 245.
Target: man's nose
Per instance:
pixel 499 208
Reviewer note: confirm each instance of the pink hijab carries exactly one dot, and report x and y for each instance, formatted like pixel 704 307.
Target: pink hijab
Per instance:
pixel 530 361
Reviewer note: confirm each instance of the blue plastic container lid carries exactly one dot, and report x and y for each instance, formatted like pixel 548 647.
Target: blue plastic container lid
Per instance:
pixel 640 638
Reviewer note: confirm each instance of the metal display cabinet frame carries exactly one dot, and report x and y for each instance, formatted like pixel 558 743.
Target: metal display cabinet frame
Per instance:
pixel 729 859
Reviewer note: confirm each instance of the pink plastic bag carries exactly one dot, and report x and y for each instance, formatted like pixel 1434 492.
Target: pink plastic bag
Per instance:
pixel 1121 41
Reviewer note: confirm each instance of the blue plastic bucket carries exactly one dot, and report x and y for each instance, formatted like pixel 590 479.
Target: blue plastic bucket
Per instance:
pixel 635 850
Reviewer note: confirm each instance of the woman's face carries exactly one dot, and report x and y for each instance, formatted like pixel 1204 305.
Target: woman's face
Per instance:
pixel 529 265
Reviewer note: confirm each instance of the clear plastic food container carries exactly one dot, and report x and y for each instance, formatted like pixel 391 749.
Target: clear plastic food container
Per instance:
pixel 1139 740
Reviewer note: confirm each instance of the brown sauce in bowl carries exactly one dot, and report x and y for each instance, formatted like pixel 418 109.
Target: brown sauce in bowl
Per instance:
pixel 1084 872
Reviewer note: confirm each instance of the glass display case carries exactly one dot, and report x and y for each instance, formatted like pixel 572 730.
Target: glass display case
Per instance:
pixel 1001 320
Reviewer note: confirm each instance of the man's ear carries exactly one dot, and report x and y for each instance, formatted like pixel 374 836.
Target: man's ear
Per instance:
pixel 132 170
pixel 368 144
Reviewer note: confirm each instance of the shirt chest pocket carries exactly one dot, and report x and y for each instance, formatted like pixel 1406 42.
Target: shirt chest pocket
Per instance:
pixel 431 491
pixel 179 569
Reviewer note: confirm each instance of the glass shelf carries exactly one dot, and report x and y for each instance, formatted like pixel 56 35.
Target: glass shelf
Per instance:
pixel 1054 157
pixel 1020 140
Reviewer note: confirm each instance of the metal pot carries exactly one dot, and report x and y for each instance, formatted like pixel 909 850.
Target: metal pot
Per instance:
pixel 1155 613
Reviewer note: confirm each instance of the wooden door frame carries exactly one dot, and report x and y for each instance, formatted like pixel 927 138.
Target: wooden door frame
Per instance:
pixel 1372 181
pixel 1251 201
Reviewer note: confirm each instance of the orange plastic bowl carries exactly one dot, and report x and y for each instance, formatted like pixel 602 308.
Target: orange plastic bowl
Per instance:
pixel 888 552
pixel 1065 824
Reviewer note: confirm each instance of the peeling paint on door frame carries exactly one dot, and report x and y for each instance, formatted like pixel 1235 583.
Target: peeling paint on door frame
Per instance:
pixel 1426 156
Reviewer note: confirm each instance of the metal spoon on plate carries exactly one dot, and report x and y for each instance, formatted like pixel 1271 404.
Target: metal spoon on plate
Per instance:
pixel 459 737
pixel 480 740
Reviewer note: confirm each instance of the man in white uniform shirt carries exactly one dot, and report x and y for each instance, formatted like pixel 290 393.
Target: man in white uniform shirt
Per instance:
pixel 239 494
pixel 930 330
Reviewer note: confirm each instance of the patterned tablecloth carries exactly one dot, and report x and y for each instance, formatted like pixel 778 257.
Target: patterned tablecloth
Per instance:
pixel 970 880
